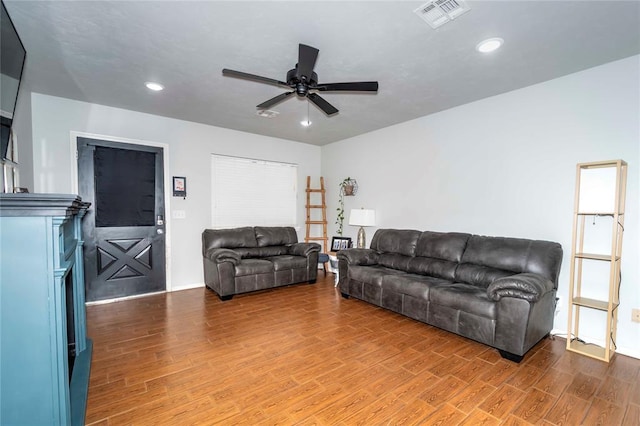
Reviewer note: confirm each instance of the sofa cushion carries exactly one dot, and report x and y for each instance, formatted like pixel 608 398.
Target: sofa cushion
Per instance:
pixel 260 252
pixel 253 267
pixel 440 245
pixel 228 238
pixel 371 274
pixel 283 263
pixel 401 241
pixel 410 284
pixel 509 254
pixel 464 297
pixel 394 261
pixel 434 267
pixel 275 235
pixel 480 276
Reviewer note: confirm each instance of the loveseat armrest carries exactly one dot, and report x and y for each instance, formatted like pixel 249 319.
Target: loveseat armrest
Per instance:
pixel 356 256
pixel 303 249
pixel 528 286
pixel 218 255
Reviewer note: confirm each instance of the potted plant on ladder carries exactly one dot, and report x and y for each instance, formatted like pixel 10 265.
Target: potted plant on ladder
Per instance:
pixel 348 187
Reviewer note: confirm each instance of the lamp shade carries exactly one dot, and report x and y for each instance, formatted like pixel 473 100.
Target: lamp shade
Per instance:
pixel 362 217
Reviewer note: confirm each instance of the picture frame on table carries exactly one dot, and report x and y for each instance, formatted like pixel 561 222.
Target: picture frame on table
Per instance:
pixel 340 243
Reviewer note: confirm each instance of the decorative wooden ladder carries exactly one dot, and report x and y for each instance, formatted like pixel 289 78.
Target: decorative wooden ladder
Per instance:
pixel 311 222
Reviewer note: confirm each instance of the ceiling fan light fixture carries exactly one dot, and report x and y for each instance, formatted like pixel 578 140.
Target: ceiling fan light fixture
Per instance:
pixel 156 87
pixel 489 45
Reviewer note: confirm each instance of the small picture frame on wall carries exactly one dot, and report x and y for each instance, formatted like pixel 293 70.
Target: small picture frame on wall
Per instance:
pixel 179 186
pixel 340 243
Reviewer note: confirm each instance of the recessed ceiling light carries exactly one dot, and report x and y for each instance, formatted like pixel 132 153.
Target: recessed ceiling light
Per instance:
pixel 306 123
pixel 489 45
pixel 156 87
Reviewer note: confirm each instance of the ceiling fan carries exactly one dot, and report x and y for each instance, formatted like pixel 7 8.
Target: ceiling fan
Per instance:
pixel 304 82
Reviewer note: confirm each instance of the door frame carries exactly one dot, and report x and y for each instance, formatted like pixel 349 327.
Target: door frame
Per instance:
pixel 74 135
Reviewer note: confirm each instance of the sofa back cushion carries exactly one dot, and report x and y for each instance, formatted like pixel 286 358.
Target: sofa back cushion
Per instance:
pixel 488 258
pixel 394 261
pixel 275 235
pixel 442 245
pixel 400 241
pixel 433 267
pixel 228 238
pixel 258 252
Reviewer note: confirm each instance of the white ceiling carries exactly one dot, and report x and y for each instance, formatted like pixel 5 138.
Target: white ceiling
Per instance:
pixel 103 51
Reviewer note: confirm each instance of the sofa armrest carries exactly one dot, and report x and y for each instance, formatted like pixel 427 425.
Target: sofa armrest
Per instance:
pixel 303 249
pixel 356 256
pixel 528 286
pixel 218 255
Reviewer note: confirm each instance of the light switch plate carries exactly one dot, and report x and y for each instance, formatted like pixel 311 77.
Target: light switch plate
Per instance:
pixel 179 214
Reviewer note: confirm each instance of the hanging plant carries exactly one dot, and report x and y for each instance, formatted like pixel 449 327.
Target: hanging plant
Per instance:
pixel 348 187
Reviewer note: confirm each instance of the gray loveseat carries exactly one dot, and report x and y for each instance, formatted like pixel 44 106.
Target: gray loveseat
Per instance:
pixel 497 291
pixel 246 259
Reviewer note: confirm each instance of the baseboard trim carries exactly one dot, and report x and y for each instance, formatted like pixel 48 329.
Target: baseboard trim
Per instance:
pixel 620 350
pixel 188 287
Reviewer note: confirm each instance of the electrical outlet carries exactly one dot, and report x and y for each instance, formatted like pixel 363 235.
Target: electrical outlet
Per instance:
pixel 635 315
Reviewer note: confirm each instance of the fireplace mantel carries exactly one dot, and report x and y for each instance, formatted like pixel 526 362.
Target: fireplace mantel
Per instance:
pixel 40 264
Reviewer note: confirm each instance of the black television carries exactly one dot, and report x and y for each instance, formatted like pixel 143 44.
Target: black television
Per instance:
pixel 12 58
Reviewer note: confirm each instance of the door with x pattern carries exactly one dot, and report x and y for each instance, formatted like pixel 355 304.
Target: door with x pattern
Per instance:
pixel 124 228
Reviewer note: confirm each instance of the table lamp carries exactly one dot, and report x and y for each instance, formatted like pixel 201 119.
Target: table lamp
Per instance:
pixel 362 218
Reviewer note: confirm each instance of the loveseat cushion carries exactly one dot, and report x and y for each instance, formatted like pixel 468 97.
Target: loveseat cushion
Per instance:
pixel 281 263
pixel 260 252
pixel 253 267
pixel 414 285
pixel 464 297
pixel 304 249
pixel 228 238
pixel 371 274
pixel 275 235
pixel 401 241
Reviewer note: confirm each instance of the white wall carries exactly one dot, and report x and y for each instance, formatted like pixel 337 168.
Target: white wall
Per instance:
pixel 505 166
pixel 190 149
pixel 21 128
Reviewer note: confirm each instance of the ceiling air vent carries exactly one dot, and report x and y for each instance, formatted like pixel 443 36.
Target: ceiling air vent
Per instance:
pixel 439 12
pixel 267 113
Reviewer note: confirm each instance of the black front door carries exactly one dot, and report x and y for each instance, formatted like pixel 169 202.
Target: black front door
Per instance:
pixel 124 252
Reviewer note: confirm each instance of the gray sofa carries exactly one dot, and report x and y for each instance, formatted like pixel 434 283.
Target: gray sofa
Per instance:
pixel 497 291
pixel 247 259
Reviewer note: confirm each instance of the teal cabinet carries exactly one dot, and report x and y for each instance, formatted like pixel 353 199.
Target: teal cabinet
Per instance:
pixel 45 354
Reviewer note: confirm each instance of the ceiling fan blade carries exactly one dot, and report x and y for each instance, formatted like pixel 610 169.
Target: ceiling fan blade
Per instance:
pixel 307 56
pixel 239 74
pixel 271 102
pixel 322 104
pixel 361 86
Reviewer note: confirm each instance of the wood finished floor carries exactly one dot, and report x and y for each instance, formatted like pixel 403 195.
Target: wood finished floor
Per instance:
pixel 303 355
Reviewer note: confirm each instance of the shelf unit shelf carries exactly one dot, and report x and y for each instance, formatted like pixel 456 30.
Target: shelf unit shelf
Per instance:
pixel 590 350
pixel 579 258
pixel 601 305
pixel 596 256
